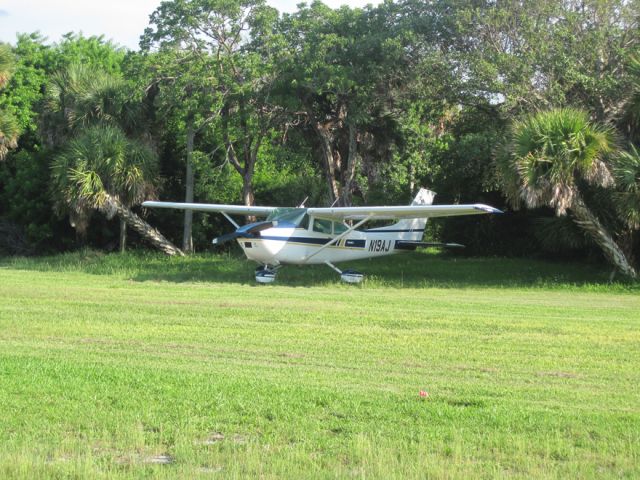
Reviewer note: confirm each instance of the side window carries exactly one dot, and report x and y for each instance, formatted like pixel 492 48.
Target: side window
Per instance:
pixel 339 228
pixel 304 223
pixel 322 226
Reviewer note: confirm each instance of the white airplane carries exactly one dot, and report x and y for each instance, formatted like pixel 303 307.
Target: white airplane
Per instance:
pixel 305 236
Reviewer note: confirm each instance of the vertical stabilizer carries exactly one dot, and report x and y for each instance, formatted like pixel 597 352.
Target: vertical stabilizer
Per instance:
pixel 424 197
pixel 413 228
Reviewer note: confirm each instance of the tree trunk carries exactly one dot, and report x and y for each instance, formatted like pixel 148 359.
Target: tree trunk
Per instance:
pixel 247 190
pixel 412 179
pixel 352 161
pixel 328 162
pixel 123 235
pixel 251 149
pixel 248 155
pixel 590 224
pixel 112 204
pixel 187 237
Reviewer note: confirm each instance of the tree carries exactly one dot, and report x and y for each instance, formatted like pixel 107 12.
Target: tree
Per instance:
pixel 529 56
pixel 627 163
pixel 25 176
pixel 9 128
pixel 333 65
pixel 630 118
pixel 352 76
pixel 187 100
pixel 102 169
pixel 208 74
pixel 548 159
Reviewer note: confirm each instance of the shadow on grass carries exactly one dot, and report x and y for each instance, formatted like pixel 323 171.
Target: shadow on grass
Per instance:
pixel 412 270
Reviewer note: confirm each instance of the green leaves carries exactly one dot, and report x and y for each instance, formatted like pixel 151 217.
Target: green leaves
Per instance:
pixel 9 132
pixel 627 174
pixel 6 64
pixel 9 127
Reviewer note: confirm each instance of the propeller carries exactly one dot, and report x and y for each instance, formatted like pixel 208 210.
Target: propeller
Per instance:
pixel 246 231
pixel 226 238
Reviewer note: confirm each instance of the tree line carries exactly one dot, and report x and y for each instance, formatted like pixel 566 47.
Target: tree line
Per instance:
pixel 529 106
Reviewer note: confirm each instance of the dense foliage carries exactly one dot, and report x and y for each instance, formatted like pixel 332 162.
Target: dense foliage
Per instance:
pixel 243 104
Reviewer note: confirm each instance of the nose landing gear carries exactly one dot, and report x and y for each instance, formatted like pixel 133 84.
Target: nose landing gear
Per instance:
pixel 265 274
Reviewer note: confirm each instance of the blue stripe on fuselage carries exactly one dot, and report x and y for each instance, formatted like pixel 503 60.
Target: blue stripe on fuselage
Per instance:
pixel 379 229
pixel 351 243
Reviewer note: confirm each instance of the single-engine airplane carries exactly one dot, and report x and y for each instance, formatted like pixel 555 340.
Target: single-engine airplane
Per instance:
pixel 302 236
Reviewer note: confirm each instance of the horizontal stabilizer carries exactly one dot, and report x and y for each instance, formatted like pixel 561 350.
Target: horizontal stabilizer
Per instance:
pixel 410 245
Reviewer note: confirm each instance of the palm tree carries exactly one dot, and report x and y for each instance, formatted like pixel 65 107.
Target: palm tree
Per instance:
pixel 627 173
pixel 9 128
pixel 101 169
pixel 548 156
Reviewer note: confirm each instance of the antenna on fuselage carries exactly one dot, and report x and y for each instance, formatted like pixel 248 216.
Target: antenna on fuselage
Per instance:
pixel 303 202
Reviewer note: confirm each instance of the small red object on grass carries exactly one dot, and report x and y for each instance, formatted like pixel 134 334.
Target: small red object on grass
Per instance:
pixel 424 394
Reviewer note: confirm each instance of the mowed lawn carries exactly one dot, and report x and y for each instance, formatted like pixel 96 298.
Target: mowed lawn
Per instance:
pixel 144 366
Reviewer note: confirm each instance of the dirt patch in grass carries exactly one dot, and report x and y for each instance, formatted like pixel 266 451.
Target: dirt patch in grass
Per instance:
pixel 558 374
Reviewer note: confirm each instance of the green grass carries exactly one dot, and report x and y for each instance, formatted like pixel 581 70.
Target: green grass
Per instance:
pixel 111 365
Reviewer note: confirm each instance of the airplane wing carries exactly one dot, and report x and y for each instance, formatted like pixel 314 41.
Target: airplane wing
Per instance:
pixel 213 207
pixel 392 213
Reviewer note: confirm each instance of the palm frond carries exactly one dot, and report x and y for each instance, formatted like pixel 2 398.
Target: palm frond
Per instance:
pixel 557 234
pixel 100 162
pixel 627 173
pixel 9 132
pixel 82 96
pixel 7 64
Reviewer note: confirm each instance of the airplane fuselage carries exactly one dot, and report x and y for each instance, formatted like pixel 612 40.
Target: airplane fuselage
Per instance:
pixel 276 246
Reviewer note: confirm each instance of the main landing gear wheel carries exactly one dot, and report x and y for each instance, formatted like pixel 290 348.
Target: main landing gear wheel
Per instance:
pixel 265 274
pixel 351 276
pixel 347 276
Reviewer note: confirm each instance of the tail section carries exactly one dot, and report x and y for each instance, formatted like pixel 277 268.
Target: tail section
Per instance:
pixel 412 228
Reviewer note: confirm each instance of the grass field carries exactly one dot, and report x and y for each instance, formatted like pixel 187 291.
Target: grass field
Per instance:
pixel 143 366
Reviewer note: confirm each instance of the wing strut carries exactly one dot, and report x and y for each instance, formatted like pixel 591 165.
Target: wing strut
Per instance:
pixel 338 238
pixel 226 215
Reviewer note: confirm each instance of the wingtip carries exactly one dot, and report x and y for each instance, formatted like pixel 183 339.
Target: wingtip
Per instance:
pixel 487 208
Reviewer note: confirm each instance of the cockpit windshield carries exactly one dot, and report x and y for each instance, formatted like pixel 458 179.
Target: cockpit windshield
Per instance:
pixel 290 216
